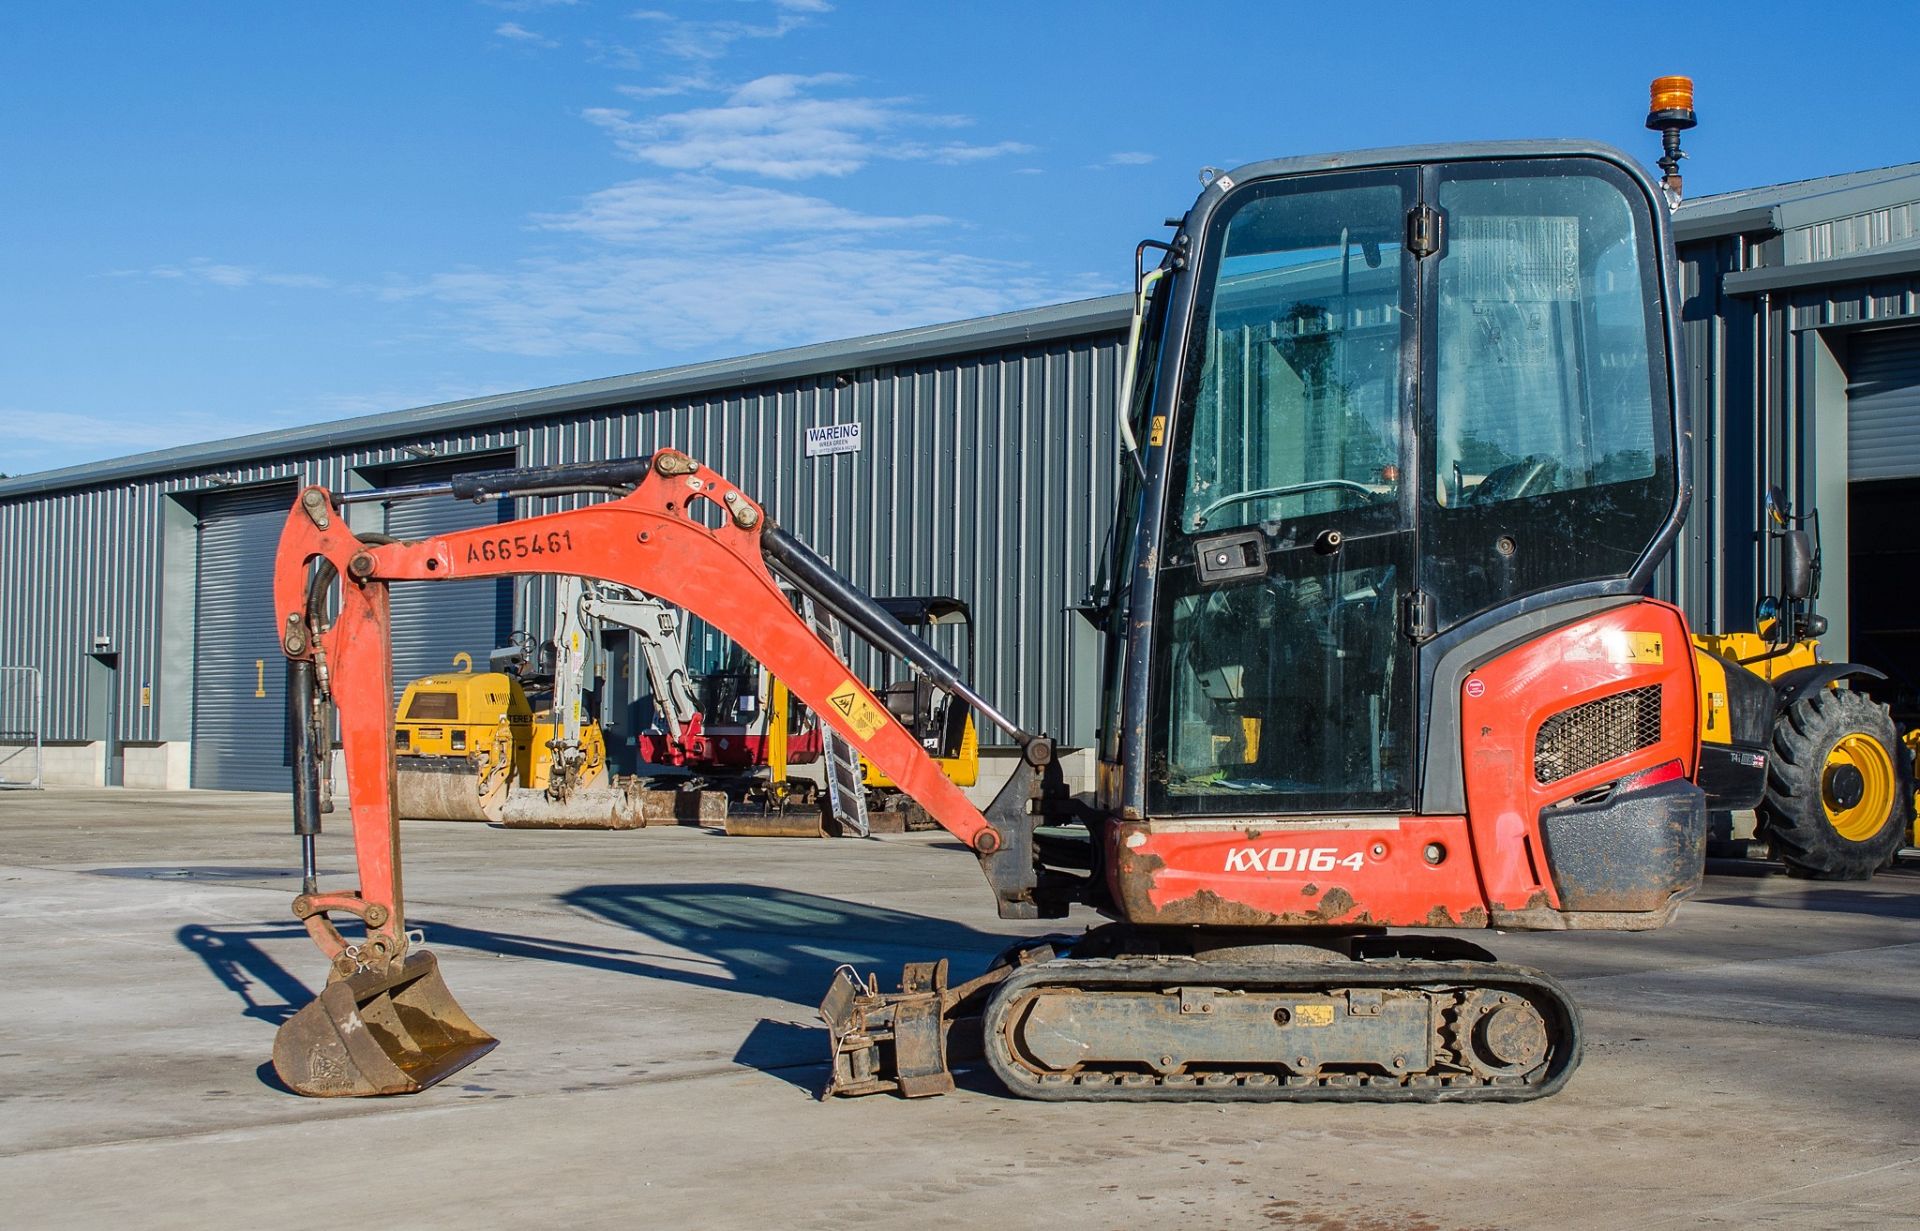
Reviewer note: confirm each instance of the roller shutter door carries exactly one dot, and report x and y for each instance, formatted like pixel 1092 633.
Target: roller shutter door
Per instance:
pixel 1883 405
pixel 433 621
pixel 240 676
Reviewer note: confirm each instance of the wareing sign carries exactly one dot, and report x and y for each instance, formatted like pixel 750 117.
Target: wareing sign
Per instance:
pixel 833 438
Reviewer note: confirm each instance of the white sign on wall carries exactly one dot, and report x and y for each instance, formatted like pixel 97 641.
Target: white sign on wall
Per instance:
pixel 833 438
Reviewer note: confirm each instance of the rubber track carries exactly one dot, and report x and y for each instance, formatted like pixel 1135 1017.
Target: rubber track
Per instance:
pixel 1562 1015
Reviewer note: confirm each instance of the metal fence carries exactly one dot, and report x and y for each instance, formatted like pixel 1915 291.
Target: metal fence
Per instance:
pixel 22 712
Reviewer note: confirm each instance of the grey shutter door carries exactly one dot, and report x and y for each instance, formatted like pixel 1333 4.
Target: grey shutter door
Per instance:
pixel 240 675
pixel 1883 405
pixel 434 620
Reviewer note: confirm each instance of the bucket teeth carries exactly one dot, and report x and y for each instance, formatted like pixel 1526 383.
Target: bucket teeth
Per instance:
pixel 392 1032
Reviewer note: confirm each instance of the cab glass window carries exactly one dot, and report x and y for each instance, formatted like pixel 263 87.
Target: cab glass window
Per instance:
pixel 1550 453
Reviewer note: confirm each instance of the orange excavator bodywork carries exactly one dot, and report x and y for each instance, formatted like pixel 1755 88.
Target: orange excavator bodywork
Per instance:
pixel 1498 725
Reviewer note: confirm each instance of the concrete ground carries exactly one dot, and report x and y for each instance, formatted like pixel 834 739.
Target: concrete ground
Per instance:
pixel 1752 1066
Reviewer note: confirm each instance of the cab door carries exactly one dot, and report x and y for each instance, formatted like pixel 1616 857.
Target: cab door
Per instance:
pixel 1549 457
pixel 1287 597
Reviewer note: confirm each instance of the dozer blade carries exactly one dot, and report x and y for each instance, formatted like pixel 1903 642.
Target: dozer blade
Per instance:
pixel 775 823
pixel 902 1041
pixel 370 1033
pixel 596 807
pixel 613 807
pixel 428 789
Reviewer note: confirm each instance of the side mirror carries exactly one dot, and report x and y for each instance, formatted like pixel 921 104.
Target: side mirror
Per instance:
pixel 1766 616
pixel 1776 506
pixel 1796 567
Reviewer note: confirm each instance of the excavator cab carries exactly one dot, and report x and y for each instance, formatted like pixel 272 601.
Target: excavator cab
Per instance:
pixel 1403 452
pixel 1392 413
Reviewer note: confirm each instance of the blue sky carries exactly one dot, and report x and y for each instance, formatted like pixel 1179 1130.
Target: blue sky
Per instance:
pixel 222 218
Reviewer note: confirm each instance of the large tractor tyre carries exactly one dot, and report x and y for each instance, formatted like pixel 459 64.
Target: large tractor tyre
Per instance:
pixel 1839 787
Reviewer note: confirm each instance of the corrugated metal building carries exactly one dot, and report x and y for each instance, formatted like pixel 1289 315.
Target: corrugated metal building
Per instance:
pixel 138 585
pixel 1802 327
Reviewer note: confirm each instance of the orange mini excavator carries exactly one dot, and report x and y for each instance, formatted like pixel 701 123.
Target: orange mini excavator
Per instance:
pixel 1401 448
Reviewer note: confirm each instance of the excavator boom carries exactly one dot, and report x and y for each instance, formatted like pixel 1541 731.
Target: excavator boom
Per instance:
pixel 655 538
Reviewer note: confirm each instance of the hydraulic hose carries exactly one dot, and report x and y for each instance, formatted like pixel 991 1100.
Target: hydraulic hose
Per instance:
pixel 306 760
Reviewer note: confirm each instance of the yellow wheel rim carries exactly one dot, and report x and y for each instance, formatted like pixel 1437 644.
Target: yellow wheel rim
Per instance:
pixel 1859 819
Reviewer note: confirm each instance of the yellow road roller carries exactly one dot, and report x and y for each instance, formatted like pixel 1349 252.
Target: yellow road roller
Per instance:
pixel 467 739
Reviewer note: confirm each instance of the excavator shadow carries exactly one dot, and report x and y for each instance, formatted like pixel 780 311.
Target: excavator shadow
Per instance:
pixel 781 943
pixel 235 959
pixel 754 940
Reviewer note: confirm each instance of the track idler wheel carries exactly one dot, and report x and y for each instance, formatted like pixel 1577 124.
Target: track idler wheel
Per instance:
pixel 1498 1034
pixel 392 1032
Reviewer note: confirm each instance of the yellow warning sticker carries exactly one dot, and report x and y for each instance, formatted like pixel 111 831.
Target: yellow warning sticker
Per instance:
pixel 865 717
pixel 1158 436
pixel 1646 648
pixel 1313 1014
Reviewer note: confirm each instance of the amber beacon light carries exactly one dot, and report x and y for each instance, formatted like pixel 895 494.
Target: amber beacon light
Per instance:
pixel 1670 113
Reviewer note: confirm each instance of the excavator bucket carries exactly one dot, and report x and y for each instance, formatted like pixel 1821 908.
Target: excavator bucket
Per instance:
pixel 372 1033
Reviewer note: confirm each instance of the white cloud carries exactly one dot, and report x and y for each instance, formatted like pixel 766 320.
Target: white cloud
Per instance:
pixel 711 40
pixel 321 406
pixel 958 153
pixel 44 439
pixel 688 209
pixel 514 32
pixel 690 260
pixel 528 6
pixel 724 300
pixel 1128 158
pixel 788 126
pixel 233 277
pixel 686 84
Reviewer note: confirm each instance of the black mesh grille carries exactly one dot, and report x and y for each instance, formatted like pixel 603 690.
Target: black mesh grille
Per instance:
pixel 1597 732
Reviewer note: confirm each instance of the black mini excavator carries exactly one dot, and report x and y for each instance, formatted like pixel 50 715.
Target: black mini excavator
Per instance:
pixel 1401 451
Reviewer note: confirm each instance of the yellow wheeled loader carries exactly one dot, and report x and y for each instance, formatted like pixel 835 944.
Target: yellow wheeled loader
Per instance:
pixel 1822 765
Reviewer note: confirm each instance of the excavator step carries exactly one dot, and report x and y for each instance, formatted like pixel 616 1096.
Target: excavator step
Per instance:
pixel 846 780
pixel 1185 1029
